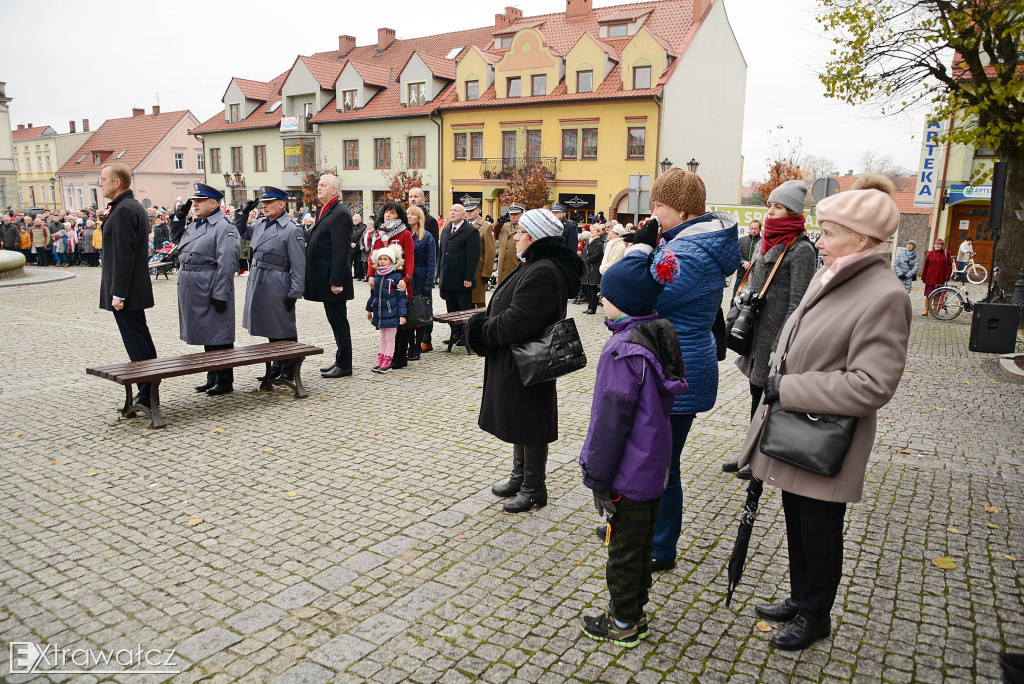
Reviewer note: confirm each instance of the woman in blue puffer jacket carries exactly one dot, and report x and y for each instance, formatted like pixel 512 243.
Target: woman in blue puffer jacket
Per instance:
pixel 707 247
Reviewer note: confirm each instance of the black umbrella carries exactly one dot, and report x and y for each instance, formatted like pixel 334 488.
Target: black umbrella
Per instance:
pixel 739 549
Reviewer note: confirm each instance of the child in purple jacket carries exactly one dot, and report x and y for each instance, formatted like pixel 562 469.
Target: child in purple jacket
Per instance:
pixel 628 448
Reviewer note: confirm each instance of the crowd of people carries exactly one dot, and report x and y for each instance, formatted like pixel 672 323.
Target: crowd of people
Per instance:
pixel 830 340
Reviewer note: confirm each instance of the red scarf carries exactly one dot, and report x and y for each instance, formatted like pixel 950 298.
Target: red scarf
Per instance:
pixel 326 207
pixel 779 230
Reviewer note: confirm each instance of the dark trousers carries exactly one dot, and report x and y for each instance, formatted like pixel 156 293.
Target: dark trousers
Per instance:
pixel 670 515
pixel 628 570
pixel 288 365
pixel 358 267
pixel 225 376
pixel 814 534
pixel 402 339
pixel 457 300
pixel 755 398
pixel 592 300
pixel 337 316
pixel 423 332
pixel 137 341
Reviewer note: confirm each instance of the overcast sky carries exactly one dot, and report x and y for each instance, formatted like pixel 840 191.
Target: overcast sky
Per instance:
pixel 67 59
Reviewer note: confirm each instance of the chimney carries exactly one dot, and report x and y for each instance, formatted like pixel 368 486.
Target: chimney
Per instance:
pixel 385 37
pixel 21 127
pixel 71 125
pixel 346 44
pixel 138 111
pixel 581 8
pixel 505 20
pixel 29 126
pixel 85 125
pixel 156 109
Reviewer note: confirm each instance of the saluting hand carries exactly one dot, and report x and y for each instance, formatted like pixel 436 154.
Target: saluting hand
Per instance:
pixel 183 210
pixel 249 206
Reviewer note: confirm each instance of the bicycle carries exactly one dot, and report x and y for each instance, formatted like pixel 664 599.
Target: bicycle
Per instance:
pixel 947 302
pixel 975 273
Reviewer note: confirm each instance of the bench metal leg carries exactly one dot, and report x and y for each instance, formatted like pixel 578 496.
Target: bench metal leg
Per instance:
pixel 131 409
pixel 268 381
pixel 300 391
pixel 126 410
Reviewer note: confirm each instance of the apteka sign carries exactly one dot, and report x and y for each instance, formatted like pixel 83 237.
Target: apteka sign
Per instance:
pixel 927 183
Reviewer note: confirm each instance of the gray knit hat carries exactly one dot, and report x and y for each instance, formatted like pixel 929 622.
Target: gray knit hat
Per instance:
pixel 540 223
pixel 791 195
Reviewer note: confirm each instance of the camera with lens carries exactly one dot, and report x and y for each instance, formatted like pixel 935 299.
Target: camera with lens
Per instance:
pixel 741 332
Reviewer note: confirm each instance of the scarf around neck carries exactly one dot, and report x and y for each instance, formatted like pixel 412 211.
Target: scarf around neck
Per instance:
pixel 390 229
pixel 778 230
pixel 384 270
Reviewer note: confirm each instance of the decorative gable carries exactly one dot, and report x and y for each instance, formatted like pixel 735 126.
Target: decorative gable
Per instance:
pixel 588 55
pixel 644 57
pixel 420 81
pixel 475 66
pixel 528 60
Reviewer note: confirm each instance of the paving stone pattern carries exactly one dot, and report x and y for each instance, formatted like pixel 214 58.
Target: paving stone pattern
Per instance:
pixel 352 536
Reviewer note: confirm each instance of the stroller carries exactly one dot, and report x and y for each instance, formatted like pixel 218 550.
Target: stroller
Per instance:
pixel 163 261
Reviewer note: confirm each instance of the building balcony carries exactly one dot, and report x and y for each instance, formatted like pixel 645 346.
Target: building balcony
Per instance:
pixel 504 167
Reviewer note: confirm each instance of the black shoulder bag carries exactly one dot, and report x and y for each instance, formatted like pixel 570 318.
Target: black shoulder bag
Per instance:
pixel 816 442
pixel 557 352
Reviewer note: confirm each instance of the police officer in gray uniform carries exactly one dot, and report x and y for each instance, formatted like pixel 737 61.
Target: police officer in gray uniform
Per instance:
pixel 278 273
pixel 209 249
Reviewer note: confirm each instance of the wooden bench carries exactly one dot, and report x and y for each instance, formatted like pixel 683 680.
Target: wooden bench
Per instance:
pixel 155 370
pixel 457 318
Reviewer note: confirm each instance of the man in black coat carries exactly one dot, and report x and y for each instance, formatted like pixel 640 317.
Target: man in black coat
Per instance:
pixel 125 287
pixel 329 270
pixel 416 199
pixel 460 254
pixel 570 231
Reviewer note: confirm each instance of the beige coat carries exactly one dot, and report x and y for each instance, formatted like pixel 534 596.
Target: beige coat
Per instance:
pixel 486 266
pixel 846 358
pixel 508 261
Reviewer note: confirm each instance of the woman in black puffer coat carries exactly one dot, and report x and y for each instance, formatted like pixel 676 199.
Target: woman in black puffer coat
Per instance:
pixel 529 300
pixel 593 255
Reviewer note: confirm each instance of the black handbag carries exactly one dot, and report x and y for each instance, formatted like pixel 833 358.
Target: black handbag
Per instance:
pixel 419 312
pixel 816 442
pixel 557 352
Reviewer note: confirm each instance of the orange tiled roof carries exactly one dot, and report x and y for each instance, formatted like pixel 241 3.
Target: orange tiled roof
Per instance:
pixel 384 105
pixel 612 52
pixel 905 201
pixel 136 135
pixel 27 133
pixel 376 75
pixel 254 90
pixel 439 66
pixel 325 72
pixel 906 186
pixel 962 72
pixel 260 118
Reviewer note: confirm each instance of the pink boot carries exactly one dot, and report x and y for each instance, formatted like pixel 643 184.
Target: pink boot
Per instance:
pixel 385 364
pixel 380 361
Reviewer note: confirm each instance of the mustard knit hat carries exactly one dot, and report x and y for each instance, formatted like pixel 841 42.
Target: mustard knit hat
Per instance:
pixel 681 190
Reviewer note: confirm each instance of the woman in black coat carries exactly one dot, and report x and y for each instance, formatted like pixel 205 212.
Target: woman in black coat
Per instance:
pixel 593 255
pixel 530 299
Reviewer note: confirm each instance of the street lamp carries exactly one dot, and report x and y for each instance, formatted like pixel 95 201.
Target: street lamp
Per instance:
pixel 666 165
pixel 53 196
pixel 692 165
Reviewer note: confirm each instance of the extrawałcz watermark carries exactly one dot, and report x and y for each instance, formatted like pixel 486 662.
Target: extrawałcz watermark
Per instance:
pixel 31 658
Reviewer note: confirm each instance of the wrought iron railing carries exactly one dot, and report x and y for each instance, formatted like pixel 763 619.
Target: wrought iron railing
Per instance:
pixel 503 167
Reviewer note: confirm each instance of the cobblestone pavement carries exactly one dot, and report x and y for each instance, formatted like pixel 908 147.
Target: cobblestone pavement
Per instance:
pixel 352 536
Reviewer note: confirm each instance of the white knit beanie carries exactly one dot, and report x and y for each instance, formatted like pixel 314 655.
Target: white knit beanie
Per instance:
pixel 540 223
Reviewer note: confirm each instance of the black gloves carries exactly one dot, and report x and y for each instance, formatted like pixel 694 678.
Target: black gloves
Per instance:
pixel 628 238
pixel 603 504
pixel 289 303
pixel 771 388
pixel 182 212
pixel 648 233
pixel 219 304
pixel 249 206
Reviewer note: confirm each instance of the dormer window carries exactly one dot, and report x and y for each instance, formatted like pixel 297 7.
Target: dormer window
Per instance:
pixel 350 100
pixel 514 88
pixel 234 113
pixel 504 42
pixel 584 81
pixel 417 94
pixel 618 30
pixel 641 77
pixel 96 158
pixel 539 85
pixel 472 90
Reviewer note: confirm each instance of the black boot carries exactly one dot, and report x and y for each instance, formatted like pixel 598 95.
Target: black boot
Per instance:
pixel 211 380
pixel 515 481
pixel 533 492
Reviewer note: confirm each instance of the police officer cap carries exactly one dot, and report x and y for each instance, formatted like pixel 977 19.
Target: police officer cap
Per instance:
pixel 471 204
pixel 558 207
pixel 204 191
pixel 269 192
pixel 515 209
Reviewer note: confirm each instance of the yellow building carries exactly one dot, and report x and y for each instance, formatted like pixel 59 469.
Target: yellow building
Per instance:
pixel 39 151
pixel 585 93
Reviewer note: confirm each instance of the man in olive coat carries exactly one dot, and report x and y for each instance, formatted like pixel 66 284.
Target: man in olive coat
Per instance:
pixel 485 267
pixel 508 260
pixel 278 273
pixel 125 287
pixel 209 250
pixel 329 270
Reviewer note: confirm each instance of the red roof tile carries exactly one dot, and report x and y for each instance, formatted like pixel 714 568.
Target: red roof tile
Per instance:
pixel 136 135
pixel 260 118
pixel 439 66
pixel 376 75
pixel 625 15
pixel 384 105
pixel 254 90
pixel 27 133
pixel 325 72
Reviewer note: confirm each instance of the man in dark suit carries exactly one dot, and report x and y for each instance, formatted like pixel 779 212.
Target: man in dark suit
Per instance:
pixel 417 199
pixel 329 270
pixel 460 255
pixel 125 287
